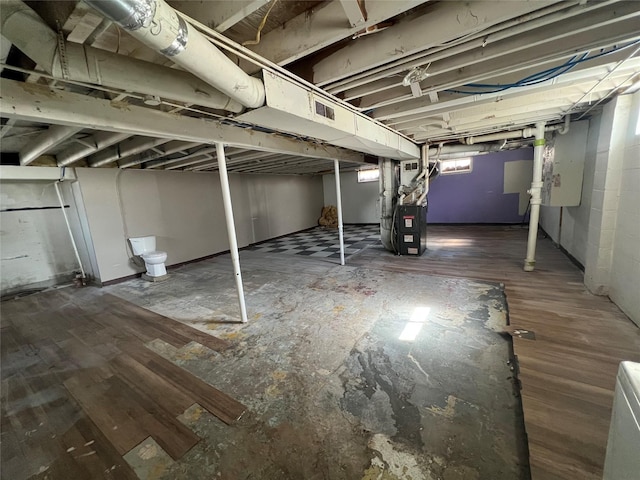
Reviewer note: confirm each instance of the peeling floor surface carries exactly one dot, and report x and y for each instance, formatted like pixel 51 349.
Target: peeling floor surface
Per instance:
pixel 348 373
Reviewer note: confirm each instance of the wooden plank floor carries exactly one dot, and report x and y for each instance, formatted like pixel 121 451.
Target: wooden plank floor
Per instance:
pixel 80 389
pixel 568 372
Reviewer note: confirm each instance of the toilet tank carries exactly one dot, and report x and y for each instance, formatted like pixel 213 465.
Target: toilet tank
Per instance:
pixel 141 245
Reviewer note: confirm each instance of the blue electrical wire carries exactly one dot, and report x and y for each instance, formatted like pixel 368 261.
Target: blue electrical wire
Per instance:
pixel 539 77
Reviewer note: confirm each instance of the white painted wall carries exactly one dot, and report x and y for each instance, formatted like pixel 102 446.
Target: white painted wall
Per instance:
pixel 624 286
pixel 359 200
pixel 604 231
pixel 184 210
pixel 35 247
pixel 571 232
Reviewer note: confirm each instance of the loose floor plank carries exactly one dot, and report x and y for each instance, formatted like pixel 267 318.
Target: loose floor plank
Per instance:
pixel 218 403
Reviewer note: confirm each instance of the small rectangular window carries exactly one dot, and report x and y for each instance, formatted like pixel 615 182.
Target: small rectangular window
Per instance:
pixel 368 175
pixel 457 165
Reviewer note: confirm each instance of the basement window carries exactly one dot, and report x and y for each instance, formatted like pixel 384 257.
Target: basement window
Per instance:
pixel 368 175
pixel 457 165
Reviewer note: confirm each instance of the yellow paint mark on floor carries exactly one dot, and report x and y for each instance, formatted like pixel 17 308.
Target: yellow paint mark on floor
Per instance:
pixel 338 308
pixel 272 391
pixel 449 411
pixel 232 335
pixel 193 413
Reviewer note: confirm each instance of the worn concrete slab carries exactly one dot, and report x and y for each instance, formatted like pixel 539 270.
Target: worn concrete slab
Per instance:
pixel 349 373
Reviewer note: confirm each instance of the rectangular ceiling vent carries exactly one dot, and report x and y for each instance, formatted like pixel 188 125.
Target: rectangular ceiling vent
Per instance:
pixel 325 111
pixel 293 108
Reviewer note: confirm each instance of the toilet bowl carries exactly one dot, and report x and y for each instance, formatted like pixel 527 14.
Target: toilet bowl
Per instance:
pixel 145 247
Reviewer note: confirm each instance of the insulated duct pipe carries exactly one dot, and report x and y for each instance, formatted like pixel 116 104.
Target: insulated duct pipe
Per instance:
pixel 54 135
pixel 388 186
pixel 24 28
pixel 160 27
pixel 100 141
pixel 536 200
pixel 125 149
pixel 5 48
pixel 231 228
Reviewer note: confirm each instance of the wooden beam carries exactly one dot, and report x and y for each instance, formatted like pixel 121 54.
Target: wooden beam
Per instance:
pixel 316 29
pixel 219 15
pixel 440 23
pixel 37 103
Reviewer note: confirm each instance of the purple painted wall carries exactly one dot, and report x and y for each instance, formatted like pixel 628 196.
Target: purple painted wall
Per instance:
pixel 476 197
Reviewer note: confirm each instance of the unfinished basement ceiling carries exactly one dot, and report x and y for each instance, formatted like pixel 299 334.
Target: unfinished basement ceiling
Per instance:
pixel 433 71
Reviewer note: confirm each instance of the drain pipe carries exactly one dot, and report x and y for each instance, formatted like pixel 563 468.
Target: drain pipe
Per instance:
pixel 66 220
pixel 160 27
pixel 231 228
pixel 536 189
pixel 336 165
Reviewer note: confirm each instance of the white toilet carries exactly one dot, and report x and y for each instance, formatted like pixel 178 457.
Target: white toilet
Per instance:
pixel 145 247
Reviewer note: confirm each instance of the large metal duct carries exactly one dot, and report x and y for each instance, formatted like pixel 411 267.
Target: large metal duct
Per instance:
pixel 159 26
pixel 27 31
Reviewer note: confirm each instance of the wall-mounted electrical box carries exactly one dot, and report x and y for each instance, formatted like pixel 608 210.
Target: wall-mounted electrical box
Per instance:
pixel 409 170
pixel 563 167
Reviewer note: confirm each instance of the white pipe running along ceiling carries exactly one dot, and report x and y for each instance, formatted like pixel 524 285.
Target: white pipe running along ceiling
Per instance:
pixel 290 106
pixel 25 29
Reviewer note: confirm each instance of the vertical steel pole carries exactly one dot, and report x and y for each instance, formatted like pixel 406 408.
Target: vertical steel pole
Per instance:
pixel 231 228
pixel 336 164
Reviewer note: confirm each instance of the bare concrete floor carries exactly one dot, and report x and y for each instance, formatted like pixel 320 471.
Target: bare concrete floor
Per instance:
pixel 348 373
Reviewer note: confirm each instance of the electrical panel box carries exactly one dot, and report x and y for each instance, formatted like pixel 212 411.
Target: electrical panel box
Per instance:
pixel 411 229
pixel 563 167
pixel 409 170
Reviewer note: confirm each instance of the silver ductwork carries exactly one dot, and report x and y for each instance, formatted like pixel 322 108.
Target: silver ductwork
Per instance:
pixel 25 29
pixel 160 27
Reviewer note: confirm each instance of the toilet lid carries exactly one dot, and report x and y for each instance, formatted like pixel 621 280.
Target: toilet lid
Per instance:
pixel 154 255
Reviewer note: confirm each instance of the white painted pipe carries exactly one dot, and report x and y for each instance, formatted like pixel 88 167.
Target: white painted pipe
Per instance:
pixel 124 149
pixel 536 199
pixel 336 165
pixel 524 133
pixel 66 220
pixel 231 228
pixel 22 26
pixel 54 135
pixel 387 186
pixel 5 48
pixel 160 27
pixel 99 141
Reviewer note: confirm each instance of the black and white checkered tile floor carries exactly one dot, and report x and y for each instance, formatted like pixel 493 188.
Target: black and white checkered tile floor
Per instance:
pixel 321 242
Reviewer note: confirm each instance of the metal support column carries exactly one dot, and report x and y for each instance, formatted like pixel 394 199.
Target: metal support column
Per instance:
pixel 231 229
pixel 336 164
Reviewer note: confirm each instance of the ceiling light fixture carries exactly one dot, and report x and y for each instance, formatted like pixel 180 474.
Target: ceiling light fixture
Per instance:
pixel 413 79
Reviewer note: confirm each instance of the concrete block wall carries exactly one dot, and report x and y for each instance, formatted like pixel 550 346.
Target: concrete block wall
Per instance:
pixel 603 232
pixel 624 284
pixel 36 251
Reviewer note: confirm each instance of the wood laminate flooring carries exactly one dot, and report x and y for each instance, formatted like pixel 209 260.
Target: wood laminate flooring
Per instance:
pixel 568 372
pixel 80 389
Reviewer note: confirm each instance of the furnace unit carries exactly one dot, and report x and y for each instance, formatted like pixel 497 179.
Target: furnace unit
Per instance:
pixel 411 229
